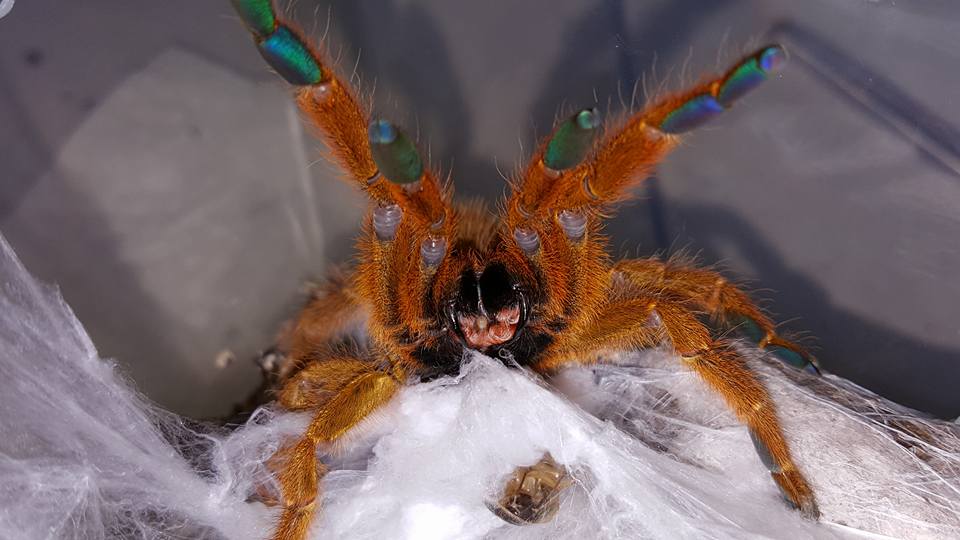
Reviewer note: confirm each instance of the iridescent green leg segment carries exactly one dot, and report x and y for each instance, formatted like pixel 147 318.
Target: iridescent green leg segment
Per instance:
pixel 749 73
pixel 282 47
pixel 766 457
pixel 287 52
pixel 793 358
pixel 743 77
pixel 750 330
pixel 394 153
pixel 572 140
pixel 257 15
pixel 692 114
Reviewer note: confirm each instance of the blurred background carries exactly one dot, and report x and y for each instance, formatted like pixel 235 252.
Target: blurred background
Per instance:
pixel 153 168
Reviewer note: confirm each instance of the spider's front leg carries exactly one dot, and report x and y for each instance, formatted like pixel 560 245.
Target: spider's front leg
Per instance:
pixel 404 243
pixel 576 178
pixel 581 171
pixel 559 181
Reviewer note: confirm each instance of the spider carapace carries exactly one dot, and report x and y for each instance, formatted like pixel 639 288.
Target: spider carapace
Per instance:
pixel 533 285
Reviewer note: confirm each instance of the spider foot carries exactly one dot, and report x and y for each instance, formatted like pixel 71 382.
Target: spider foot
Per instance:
pixel 275 365
pixel 793 486
pixel 532 494
pixel 793 356
pixel 797 493
pixel 785 351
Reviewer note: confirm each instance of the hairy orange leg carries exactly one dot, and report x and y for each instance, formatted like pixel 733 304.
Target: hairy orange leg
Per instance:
pixel 407 231
pixel 404 243
pixel 724 301
pixel 329 317
pixel 621 325
pixel 341 392
pixel 411 215
pixel 331 314
pixel 652 317
pixel 578 173
pixel 721 368
pixel 623 157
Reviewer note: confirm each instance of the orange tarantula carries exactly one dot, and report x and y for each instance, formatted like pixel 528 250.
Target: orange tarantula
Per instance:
pixel 534 286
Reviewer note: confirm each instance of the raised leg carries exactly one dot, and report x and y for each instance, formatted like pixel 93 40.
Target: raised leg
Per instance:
pixel 410 225
pixel 709 291
pixel 342 392
pixel 553 217
pixel 376 155
pixel 571 171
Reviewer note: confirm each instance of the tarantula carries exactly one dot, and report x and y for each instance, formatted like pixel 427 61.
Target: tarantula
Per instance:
pixel 533 286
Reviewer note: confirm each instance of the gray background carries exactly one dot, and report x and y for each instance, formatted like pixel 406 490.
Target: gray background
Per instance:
pixel 153 167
